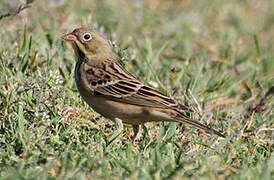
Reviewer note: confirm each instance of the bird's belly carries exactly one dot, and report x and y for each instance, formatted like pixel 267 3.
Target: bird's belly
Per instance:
pixel 128 113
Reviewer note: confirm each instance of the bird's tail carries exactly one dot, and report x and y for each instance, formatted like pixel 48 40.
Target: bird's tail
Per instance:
pixel 183 118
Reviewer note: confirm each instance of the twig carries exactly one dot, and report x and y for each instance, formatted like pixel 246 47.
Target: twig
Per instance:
pixel 21 8
pixel 263 103
pixel 249 123
pixel 265 129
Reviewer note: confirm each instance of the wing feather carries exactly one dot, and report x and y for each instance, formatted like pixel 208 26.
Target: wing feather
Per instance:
pixel 122 86
pixel 137 94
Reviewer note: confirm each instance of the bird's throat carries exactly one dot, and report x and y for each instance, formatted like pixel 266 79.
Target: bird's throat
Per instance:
pixel 79 53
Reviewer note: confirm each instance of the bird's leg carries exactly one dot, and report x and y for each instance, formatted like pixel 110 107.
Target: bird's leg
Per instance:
pixel 135 130
pixel 119 124
pixel 145 133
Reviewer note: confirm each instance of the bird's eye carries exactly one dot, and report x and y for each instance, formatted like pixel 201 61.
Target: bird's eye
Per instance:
pixel 87 36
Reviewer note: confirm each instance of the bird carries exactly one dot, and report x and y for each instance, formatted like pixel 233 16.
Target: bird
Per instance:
pixel 115 93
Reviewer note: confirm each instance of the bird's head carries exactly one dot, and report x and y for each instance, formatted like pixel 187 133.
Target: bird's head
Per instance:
pixel 88 44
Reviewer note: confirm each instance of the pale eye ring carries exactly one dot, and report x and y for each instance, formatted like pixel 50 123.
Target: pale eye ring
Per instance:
pixel 87 37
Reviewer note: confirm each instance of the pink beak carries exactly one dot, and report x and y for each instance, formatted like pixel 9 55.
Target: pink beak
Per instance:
pixel 69 37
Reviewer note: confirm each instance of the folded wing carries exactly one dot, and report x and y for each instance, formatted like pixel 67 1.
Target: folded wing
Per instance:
pixel 137 93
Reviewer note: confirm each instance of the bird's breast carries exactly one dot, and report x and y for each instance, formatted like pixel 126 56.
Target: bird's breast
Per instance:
pixel 82 83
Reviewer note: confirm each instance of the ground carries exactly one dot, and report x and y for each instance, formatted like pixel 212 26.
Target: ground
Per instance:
pixel 216 56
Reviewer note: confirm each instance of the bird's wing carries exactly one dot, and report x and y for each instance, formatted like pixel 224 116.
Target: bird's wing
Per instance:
pixel 137 93
pixel 113 82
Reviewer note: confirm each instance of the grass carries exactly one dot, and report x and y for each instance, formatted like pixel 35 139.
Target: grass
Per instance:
pixel 219 53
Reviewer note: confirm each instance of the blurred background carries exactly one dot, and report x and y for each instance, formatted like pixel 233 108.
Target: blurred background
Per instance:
pixel 190 25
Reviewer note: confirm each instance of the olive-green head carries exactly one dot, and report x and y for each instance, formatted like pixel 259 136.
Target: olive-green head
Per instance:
pixel 89 44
